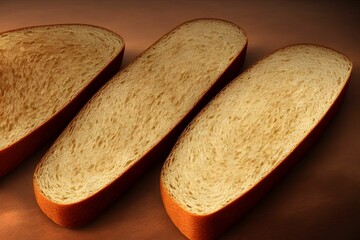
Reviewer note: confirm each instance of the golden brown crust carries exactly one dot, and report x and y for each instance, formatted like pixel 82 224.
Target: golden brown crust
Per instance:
pixel 210 226
pixel 12 155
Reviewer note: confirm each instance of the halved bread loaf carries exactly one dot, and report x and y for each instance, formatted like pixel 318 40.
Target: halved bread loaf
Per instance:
pixel 135 119
pixel 249 135
pixel 47 73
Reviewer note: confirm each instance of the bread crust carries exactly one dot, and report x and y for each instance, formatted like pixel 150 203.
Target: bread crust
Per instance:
pixel 12 155
pixel 210 226
pixel 80 213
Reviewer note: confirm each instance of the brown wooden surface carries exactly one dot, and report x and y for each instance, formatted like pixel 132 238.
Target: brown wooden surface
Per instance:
pixel 318 199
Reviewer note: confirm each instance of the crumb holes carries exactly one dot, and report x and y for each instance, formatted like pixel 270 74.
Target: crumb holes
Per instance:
pixel 339 81
pixel 127 163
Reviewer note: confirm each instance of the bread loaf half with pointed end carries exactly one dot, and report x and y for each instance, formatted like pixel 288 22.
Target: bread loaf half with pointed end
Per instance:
pixel 249 135
pixel 135 119
pixel 47 73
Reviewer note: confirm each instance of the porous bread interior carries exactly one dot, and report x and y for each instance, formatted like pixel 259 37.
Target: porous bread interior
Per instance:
pixel 43 68
pixel 136 109
pixel 252 125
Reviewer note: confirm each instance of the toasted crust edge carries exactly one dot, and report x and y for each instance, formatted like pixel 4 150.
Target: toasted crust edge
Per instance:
pixel 212 225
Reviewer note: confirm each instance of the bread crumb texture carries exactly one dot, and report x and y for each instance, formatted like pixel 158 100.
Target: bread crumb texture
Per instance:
pixel 43 68
pixel 252 125
pixel 136 109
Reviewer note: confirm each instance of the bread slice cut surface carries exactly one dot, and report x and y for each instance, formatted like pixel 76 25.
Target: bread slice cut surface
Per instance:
pixel 246 132
pixel 131 116
pixel 42 70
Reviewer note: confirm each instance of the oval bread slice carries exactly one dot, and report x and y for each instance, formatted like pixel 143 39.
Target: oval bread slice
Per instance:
pixel 47 73
pixel 248 136
pixel 135 119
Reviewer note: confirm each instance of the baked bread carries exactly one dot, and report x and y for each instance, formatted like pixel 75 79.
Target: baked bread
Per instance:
pixel 249 135
pixel 46 74
pixel 135 119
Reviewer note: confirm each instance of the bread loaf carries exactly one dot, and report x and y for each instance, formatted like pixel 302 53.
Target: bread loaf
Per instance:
pixel 248 135
pixel 46 74
pixel 135 118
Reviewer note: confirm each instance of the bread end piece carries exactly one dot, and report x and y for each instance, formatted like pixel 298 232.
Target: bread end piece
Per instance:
pixel 210 226
pixel 13 154
pixel 82 212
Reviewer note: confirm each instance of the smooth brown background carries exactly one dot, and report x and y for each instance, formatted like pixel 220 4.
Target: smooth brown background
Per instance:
pixel 318 199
